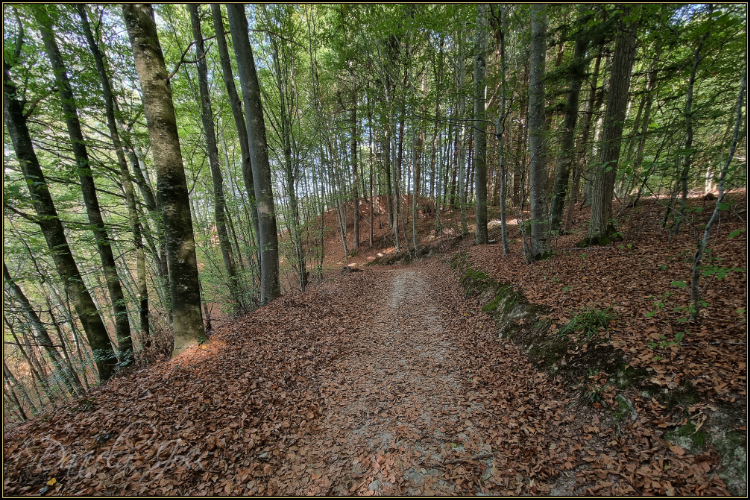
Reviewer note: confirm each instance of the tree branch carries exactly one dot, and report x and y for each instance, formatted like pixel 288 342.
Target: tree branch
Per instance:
pixel 186 61
pixel 36 101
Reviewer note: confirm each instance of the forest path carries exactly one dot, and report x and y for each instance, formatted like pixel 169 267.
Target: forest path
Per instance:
pixel 393 394
pixel 387 382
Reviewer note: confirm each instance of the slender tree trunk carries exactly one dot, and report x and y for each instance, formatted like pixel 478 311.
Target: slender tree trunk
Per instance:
pixel 600 227
pixel 461 139
pixel 127 184
pixel 355 172
pixel 372 170
pixel 236 105
pixel 500 31
pixel 289 168
pixel 583 142
pixel 171 183
pixel 70 112
pixel 537 172
pixel 40 332
pixel 480 125
pixel 207 119
pixel 387 169
pixel 688 159
pixel 567 140
pixel 695 275
pixel 53 231
pixel 13 383
pixel 258 146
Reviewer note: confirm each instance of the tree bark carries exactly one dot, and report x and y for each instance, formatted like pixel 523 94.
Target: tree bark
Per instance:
pixel 537 172
pixel 600 227
pixel 127 184
pixel 171 183
pixel 88 188
pixel 53 232
pixel 480 125
pixel 258 147
pixel 207 119
pixel 567 140
pixel 236 105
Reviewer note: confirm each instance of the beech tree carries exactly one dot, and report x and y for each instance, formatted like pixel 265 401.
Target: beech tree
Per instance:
pixel 600 227
pixel 539 236
pixel 258 146
pixel 480 125
pixel 207 119
pixel 52 229
pixel 80 152
pixel 187 320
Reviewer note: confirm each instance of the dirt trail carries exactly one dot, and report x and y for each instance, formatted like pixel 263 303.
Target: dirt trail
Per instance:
pixel 394 393
pixel 385 382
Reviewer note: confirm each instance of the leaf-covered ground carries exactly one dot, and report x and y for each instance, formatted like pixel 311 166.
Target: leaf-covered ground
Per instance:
pixel 390 381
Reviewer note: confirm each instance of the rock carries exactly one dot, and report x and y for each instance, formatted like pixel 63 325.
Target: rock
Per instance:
pixel 374 486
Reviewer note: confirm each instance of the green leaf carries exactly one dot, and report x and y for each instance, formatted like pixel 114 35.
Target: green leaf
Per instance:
pixel 679 284
pixel 735 233
pixel 723 206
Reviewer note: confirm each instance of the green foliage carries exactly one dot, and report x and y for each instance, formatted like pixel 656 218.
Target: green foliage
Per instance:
pixel 588 322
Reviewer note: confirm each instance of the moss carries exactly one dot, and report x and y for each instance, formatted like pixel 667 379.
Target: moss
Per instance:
pixel 628 376
pixel 475 281
pixel 492 306
pixel 687 437
pixel 684 395
pixel 623 409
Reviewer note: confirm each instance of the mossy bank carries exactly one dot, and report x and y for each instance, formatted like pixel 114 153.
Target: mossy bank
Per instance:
pixel 580 353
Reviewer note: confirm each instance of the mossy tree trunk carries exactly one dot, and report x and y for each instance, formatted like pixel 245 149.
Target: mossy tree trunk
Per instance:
pixel 172 190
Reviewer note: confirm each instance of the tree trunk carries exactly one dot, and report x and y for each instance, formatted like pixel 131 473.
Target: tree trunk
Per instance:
pixel 695 290
pixel 461 139
pixel 70 113
pixel 53 232
pixel 127 184
pixel 600 227
pixel 537 171
pixel 500 31
pixel 286 140
pixel 171 183
pixel 236 105
pixel 687 160
pixel 372 170
pixel 258 146
pixel 207 119
pixel 40 332
pixel 567 140
pixel 355 172
pixel 480 125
